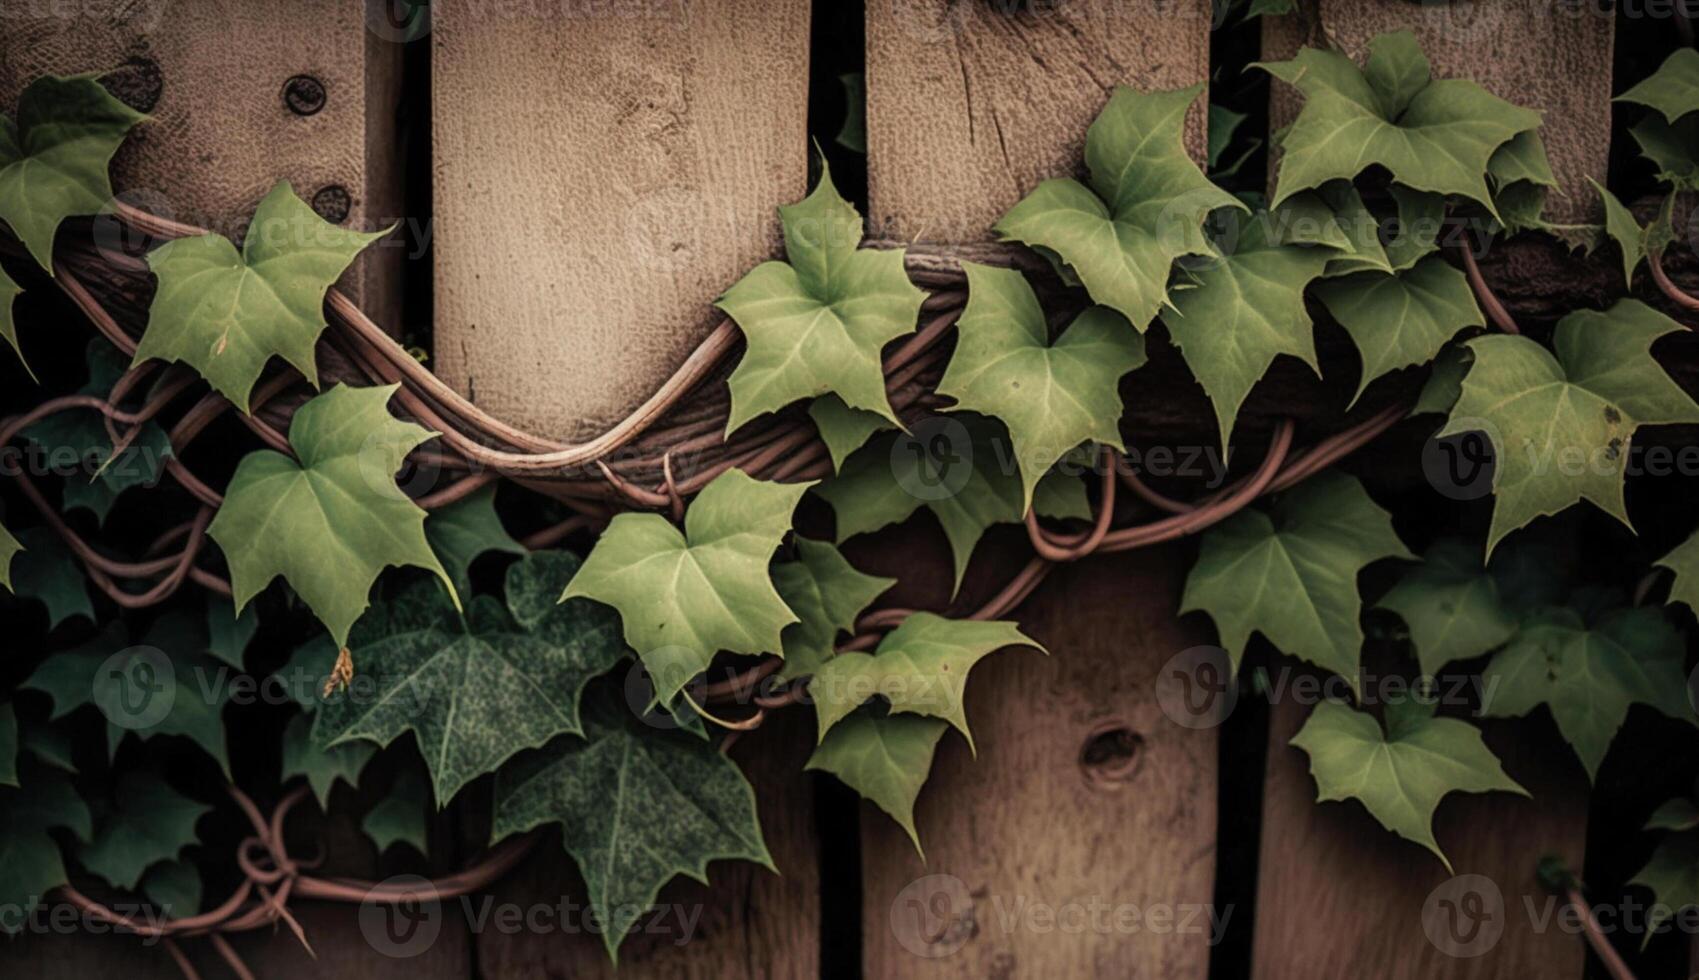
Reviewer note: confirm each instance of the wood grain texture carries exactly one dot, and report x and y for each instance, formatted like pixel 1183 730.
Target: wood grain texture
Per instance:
pixel 971 104
pixel 212 74
pixel 1550 55
pixel 1339 896
pixel 602 174
pixel 748 922
pixel 1040 825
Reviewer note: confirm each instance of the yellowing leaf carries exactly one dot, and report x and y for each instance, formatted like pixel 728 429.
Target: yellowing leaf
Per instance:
pixel 816 323
pixel 226 313
pixel 685 596
pixel 1145 206
pixel 1052 397
pixel 1561 426
pixel 331 519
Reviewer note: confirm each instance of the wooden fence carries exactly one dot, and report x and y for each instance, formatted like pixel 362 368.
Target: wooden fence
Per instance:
pixel 599 171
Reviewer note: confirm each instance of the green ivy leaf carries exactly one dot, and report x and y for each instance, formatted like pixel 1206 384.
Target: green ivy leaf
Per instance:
pixel 9 548
pixel 400 817
pixel 1589 675
pixel 827 593
pixel 49 745
pixel 968 484
pixel 1246 309
pixel 1672 147
pixel 1683 561
pixel 43 568
pixel 1223 123
pixel 226 313
pixel 852 135
pixel 30 861
pixel 9 293
pixel 1673 876
pixel 1445 383
pixel 1052 397
pixel 843 429
pixel 1400 776
pixel 1672 90
pixel 53 159
pixel 1334 217
pixel 1542 410
pixel 330 523
pixel 323 768
pixel 1145 206
pixel 174 888
pixel 1624 230
pixel 98 478
pixel 817 323
pixel 685 596
pixel 1403 319
pixel 465 529
pixel 1291 573
pixel 1451 606
pixel 921 667
pixel 473 691
pixel 635 807
pixel 1677 814
pixel 228 634
pixel 885 758
pixel 1434 135
pixel 166 664
pixel 150 823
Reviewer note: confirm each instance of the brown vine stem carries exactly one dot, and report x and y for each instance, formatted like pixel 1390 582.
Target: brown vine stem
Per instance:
pixel 1677 295
pixel 1596 938
pixel 1495 310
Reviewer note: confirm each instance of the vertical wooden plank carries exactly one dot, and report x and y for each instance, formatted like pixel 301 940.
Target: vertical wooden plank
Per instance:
pixel 219 79
pixel 603 171
pixel 970 105
pixel 746 922
pixel 1550 55
pixel 1081 841
pixel 1339 895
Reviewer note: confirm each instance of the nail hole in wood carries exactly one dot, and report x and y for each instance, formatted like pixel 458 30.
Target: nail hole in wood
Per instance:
pixel 1111 754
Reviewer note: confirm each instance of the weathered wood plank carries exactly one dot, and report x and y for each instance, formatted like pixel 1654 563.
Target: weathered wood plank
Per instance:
pixel 219 79
pixel 970 105
pixel 1549 55
pixel 1081 841
pixel 1340 896
pixel 746 922
pixel 602 173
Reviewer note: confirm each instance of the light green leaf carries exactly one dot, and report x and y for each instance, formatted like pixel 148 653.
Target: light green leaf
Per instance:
pixel 635 807
pixel 827 594
pixel 683 597
pixel 1673 89
pixel 921 667
pixel 1403 319
pixel 174 888
pixel 43 568
pixel 1421 217
pixel 124 681
pixel 1683 561
pixel 9 548
pixel 885 758
pixel 1561 426
pixel 817 323
pixel 1246 309
pixel 843 429
pixel 1291 573
pixel 323 768
pixel 473 691
pixel 53 158
pixel 1401 775
pixel 1451 606
pixel 1589 675
pixel 150 823
pixel 465 529
pixel 77 439
pixel 399 818
pixel 1052 397
pixel 30 861
pixel 330 523
pixel 1673 876
pixel 1145 206
pixel 1223 123
pixel 226 313
pixel 965 477
pixel 1433 135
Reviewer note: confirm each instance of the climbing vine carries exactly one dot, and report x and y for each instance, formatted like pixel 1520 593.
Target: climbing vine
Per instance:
pixel 598 689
